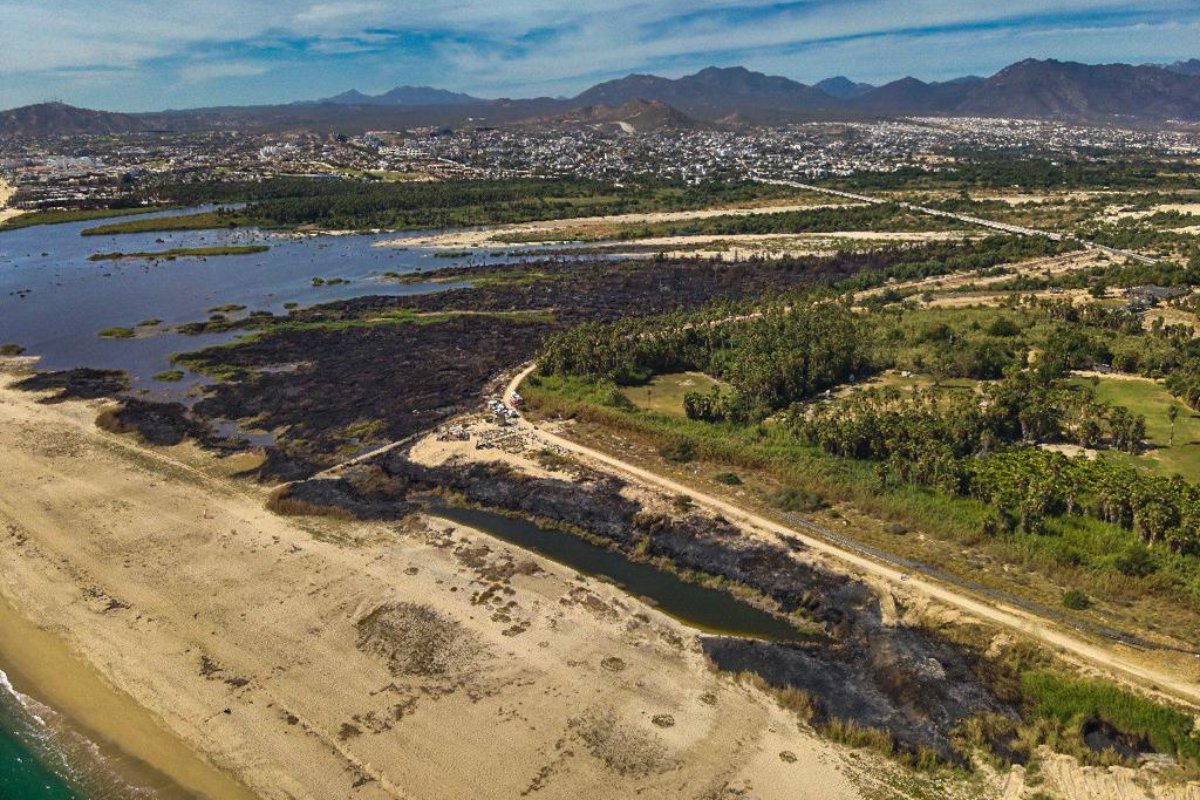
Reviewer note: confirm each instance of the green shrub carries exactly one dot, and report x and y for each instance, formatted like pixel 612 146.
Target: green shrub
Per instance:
pixel 728 478
pixel 797 500
pixel 1073 703
pixel 1003 326
pixel 116 333
pixel 11 350
pixel 170 376
pixel 1076 600
pixel 1137 561
pixel 681 451
pixel 618 399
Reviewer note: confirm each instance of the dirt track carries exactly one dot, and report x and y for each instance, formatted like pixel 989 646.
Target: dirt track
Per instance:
pixel 1107 658
pixel 284 650
pixel 491 236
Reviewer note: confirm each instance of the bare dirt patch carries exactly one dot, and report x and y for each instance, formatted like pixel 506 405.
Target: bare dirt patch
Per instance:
pixel 624 749
pixel 415 640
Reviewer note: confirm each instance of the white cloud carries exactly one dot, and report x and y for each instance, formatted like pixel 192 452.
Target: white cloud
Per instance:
pixel 203 41
pixel 214 70
pixel 322 13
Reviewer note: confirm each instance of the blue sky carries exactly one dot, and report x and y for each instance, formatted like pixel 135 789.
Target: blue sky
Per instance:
pixel 152 54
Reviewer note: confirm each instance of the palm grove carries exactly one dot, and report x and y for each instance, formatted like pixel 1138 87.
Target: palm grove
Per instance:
pixel 778 361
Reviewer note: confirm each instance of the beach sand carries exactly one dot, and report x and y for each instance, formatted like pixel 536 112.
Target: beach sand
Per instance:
pixel 130 740
pixel 319 659
pixel 486 237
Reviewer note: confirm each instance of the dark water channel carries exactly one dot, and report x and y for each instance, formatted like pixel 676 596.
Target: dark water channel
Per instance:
pixel 708 610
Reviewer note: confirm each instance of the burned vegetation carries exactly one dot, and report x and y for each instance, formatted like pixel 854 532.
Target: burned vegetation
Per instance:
pixel 858 672
pixel 338 378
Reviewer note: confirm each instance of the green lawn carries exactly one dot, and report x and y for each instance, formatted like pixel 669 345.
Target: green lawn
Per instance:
pixel 665 392
pixel 1152 400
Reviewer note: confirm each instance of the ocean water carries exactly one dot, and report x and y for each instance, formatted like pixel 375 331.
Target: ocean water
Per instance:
pixel 53 302
pixel 32 764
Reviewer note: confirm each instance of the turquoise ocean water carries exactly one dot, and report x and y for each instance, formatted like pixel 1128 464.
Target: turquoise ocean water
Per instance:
pixel 43 758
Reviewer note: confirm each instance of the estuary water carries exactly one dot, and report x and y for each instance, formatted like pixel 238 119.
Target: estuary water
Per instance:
pixel 54 301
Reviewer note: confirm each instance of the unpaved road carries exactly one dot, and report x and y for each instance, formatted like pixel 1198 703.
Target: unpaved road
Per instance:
pixel 1003 227
pixel 1006 616
pixel 241 632
pixel 489 236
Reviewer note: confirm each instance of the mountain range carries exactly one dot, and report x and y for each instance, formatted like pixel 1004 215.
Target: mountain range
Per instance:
pixel 400 96
pixel 842 87
pixel 1031 89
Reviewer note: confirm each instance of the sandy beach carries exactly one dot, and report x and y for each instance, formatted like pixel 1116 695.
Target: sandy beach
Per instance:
pixel 131 741
pixel 738 247
pixel 316 658
pixel 490 236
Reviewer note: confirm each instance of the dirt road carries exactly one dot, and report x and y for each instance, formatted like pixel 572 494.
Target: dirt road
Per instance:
pixel 313 658
pixel 491 236
pixel 1008 617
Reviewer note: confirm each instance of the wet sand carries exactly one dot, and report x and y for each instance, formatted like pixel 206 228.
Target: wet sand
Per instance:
pixel 315 659
pixel 131 742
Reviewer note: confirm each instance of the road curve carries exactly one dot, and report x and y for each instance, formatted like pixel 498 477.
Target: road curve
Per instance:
pixel 998 613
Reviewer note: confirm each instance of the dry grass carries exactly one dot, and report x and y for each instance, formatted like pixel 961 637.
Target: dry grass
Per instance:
pixel 282 502
pixel 624 749
pixel 416 640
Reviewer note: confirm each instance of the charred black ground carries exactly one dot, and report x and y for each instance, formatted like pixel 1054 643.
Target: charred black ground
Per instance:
pixel 906 681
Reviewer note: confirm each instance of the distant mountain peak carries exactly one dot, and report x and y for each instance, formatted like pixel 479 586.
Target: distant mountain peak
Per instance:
pixel 712 93
pixel 400 96
pixel 842 87
pixel 1189 67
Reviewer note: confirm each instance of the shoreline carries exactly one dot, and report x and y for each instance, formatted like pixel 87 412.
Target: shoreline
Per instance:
pixel 243 632
pixel 129 740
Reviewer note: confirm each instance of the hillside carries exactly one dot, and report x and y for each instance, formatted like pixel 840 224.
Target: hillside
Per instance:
pixel 1072 91
pixel 635 116
pixel 711 93
pixel 59 119
pixel 911 96
pixel 842 87
pixel 401 96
